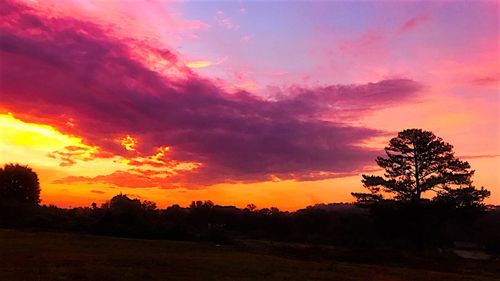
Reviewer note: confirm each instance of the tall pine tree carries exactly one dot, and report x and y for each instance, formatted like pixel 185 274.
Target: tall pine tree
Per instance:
pixel 417 162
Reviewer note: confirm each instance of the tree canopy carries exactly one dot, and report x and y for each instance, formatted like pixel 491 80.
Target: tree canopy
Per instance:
pixel 416 162
pixel 19 184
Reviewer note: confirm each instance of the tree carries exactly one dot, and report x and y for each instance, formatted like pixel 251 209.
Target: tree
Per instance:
pixel 417 162
pixel 201 205
pixel 19 184
pixel 251 207
pixel 122 205
pixel 463 198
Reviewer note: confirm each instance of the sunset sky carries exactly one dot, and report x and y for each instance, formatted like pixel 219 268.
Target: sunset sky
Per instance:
pixel 272 103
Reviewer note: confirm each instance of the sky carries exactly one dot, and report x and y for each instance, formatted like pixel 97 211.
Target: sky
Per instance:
pixel 279 104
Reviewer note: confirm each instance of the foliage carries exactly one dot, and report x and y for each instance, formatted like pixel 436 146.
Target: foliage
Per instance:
pixel 417 162
pixel 347 225
pixel 19 184
pixel 466 197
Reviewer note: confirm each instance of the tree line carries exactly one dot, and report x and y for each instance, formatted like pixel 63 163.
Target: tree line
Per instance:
pixel 423 198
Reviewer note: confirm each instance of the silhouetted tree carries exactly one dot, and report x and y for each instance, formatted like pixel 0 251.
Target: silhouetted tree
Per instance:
pixel 251 207
pixel 201 204
pixel 122 205
pixel 149 206
pixel 19 184
pixel 417 161
pixel 468 197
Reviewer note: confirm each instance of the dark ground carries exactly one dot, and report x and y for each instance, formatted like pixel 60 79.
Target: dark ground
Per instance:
pixel 53 256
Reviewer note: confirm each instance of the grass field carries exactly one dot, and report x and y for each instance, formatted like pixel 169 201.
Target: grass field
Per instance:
pixel 51 256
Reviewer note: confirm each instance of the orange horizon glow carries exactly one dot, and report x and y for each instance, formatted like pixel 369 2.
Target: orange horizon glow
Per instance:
pixel 39 140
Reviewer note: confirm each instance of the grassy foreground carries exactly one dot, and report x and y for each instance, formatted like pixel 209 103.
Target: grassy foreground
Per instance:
pixel 52 256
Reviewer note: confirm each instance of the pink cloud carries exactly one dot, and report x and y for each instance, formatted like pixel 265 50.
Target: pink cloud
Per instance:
pixel 479 156
pixel 222 20
pixel 149 20
pixel 245 38
pixel 364 42
pixel 486 80
pixel 413 22
pixel 279 73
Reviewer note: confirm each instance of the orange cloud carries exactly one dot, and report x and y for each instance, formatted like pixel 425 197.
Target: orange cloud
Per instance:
pixel 119 178
pixel 128 142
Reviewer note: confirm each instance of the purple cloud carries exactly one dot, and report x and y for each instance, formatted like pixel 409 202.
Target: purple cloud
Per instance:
pixel 59 69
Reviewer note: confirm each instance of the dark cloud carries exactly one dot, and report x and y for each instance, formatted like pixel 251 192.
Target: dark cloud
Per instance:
pixel 492 80
pixel 60 69
pixel 342 102
pixel 98 191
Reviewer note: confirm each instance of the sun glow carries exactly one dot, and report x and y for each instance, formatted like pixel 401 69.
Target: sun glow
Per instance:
pixel 41 145
pixel 16 132
pixel 205 63
pixel 199 64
